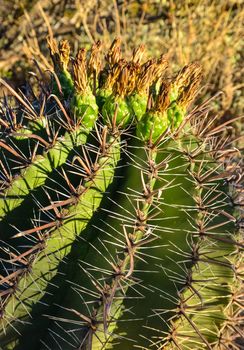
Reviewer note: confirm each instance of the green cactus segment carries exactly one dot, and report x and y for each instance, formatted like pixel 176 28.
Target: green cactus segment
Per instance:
pixel 36 173
pixel 112 308
pixel 233 312
pixel 19 137
pixel 58 241
pixel 135 262
pixel 201 294
pixel 200 314
pixel 23 133
pixel 38 124
pixel 85 110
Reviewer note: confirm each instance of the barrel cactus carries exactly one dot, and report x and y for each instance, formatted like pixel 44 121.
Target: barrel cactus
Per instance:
pixel 120 210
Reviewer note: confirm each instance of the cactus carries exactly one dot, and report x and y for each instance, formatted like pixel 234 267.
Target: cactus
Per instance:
pixel 120 224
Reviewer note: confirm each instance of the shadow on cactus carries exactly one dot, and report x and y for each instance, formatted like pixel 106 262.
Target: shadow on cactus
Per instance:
pixel 120 210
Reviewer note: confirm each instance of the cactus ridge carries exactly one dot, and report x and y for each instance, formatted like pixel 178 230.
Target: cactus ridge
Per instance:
pixel 121 229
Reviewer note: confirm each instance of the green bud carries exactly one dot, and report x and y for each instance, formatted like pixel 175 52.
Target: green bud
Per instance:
pixel 138 104
pixel 120 106
pixel 84 107
pixel 152 125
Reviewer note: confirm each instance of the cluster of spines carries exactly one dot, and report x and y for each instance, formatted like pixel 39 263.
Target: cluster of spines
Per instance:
pixel 18 143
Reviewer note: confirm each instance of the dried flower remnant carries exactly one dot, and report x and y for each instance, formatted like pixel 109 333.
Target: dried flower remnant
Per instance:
pixel 63 85
pixel 188 92
pixel 94 65
pixel 114 54
pixel 80 72
pixel 138 53
pixel 64 53
pixel 83 103
pixel 184 78
pixel 163 97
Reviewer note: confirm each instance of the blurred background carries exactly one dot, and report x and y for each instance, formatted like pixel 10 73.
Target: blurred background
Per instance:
pixel 208 31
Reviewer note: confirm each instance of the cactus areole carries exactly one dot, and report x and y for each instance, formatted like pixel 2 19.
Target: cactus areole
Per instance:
pixel 119 211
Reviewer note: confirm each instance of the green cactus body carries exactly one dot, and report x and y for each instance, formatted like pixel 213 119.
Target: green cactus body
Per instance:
pixel 20 137
pixel 96 240
pixel 200 310
pixel 17 146
pixel 112 308
pixel 59 241
pixel 138 104
pixel 37 172
pixel 37 125
pixel 204 288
